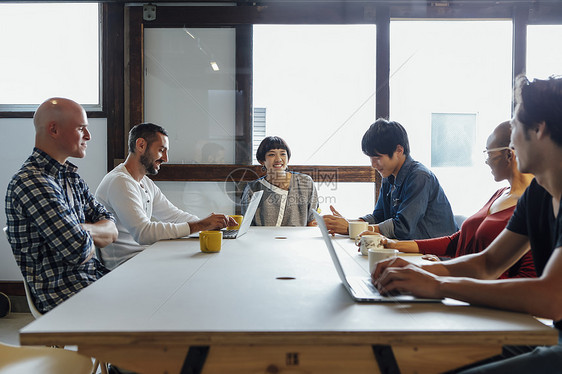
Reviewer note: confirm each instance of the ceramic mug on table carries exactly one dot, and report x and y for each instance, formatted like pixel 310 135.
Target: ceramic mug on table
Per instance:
pixel 367 242
pixel 357 227
pixel 210 241
pixel 238 218
pixel 378 254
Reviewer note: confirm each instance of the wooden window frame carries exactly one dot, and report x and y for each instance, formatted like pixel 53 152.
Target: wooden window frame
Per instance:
pixel 242 19
pixel 244 15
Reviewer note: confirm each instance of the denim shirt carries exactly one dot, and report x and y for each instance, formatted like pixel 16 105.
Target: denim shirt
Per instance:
pixel 413 205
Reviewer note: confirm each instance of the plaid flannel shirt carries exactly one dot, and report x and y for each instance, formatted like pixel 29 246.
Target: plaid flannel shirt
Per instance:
pixel 49 244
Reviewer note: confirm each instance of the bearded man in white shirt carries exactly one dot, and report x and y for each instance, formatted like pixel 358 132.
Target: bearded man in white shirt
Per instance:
pixel 144 215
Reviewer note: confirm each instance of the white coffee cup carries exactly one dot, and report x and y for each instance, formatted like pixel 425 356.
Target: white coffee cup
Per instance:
pixel 376 255
pixel 357 227
pixel 367 242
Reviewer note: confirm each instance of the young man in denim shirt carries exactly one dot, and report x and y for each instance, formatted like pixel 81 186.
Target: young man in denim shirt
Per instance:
pixel 411 203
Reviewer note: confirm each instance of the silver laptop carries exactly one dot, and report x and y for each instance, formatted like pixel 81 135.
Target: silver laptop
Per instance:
pixel 246 222
pixel 361 288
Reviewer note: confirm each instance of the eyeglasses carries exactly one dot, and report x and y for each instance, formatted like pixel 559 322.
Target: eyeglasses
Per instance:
pixel 487 152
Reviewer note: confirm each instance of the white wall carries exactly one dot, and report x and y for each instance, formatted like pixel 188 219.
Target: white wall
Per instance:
pixel 16 144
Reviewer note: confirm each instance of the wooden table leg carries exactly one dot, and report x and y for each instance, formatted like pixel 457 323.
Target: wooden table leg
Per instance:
pixel 385 359
pixel 195 360
pixel 325 359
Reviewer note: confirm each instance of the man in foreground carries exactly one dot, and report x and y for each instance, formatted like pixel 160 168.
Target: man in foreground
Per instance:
pixel 537 139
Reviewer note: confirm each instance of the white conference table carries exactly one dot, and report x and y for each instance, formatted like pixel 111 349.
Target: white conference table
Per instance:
pixel 270 301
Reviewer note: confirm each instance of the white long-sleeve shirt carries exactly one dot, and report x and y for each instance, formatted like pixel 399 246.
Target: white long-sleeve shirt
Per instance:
pixel 143 215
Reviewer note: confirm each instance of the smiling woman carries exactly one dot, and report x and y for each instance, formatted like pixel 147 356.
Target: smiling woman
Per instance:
pixel 289 197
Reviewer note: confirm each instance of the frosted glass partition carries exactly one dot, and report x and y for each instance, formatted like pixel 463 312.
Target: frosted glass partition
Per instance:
pixel 190 91
pixel 446 67
pixel 352 200
pixel 315 85
pixel 200 198
pixel 543 58
pixel 203 198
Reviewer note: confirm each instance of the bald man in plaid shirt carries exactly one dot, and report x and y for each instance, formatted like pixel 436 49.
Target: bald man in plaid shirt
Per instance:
pixel 54 222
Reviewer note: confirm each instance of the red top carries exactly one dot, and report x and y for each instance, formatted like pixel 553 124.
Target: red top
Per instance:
pixel 476 233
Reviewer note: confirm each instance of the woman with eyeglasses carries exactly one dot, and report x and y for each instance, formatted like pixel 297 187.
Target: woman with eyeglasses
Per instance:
pixel 480 229
pixel 288 198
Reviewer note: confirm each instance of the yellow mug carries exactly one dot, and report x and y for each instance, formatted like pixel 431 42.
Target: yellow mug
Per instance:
pixel 238 218
pixel 210 241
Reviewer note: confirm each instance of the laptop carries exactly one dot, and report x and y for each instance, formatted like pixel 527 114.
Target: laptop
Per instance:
pixel 246 222
pixel 361 288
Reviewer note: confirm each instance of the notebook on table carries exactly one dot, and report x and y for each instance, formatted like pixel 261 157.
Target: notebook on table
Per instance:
pixel 361 288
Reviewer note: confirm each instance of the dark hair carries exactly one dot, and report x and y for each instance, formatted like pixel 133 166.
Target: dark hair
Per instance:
pixel 538 101
pixel 269 143
pixel 146 131
pixel 383 137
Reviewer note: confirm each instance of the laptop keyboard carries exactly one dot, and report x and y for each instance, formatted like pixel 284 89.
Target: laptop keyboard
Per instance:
pixel 368 286
pixel 229 234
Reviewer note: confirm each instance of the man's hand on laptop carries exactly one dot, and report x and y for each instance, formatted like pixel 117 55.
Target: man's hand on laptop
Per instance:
pixel 213 222
pixel 397 275
pixel 383 265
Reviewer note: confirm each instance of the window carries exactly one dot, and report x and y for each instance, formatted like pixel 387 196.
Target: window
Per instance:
pixel 49 50
pixel 452 139
pixel 317 84
pixel 310 73
pixel 544 58
pixel 260 120
pixel 444 67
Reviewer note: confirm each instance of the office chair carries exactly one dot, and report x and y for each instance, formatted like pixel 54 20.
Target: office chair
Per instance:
pixel 36 314
pixel 46 360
